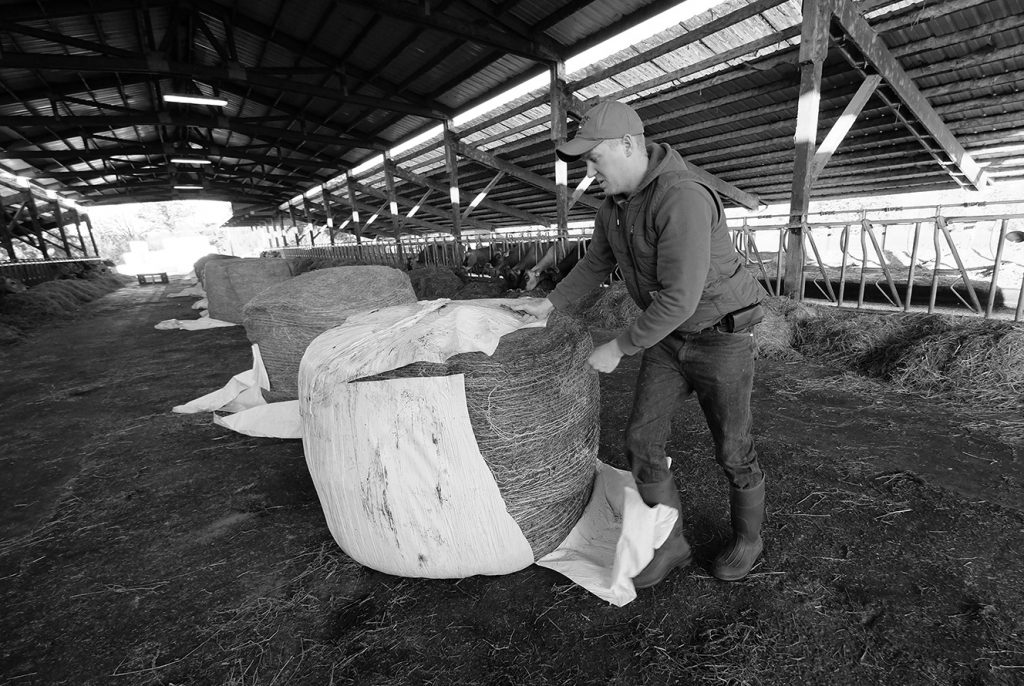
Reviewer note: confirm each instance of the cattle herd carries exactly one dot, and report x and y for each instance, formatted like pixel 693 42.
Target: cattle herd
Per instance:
pixel 521 266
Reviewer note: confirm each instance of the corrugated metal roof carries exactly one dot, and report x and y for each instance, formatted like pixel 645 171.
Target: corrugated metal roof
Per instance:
pixel 317 87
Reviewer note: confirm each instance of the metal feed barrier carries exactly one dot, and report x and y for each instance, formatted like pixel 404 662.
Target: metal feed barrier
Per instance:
pixel 904 259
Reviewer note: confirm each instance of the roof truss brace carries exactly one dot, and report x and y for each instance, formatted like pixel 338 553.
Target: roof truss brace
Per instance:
pixel 429 225
pixel 429 209
pixel 883 61
pixel 842 125
pixel 489 160
pixel 430 184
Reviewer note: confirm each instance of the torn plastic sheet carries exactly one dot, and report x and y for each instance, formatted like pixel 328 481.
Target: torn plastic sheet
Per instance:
pixel 617 533
pixel 203 322
pixel 242 392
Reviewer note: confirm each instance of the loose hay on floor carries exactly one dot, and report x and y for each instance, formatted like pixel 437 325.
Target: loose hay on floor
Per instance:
pixel 979 362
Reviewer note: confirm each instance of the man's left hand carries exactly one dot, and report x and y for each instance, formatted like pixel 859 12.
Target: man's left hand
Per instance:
pixel 605 358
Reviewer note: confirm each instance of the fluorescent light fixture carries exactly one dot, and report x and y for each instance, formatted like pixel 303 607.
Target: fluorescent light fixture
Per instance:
pixel 195 100
pixel 188 188
pixel 642 31
pixel 189 160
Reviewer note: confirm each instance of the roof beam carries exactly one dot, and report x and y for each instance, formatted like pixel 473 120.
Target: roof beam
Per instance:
pixel 73 156
pixel 167 118
pixel 539 50
pixel 883 61
pixel 56 9
pixel 158 65
pixel 235 20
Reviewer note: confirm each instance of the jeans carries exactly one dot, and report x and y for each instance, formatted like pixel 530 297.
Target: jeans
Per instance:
pixel 719 368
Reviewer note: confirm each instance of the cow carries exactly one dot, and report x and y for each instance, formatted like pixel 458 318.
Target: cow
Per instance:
pixel 483 260
pixel 516 273
pixel 558 261
pixel 11 285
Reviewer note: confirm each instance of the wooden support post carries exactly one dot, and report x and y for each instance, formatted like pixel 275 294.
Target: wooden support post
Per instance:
pixel 295 226
pixel 78 230
pixel 310 226
pixel 6 233
pixel 92 237
pixel 37 228
pixel 330 213
pixel 356 226
pixel 813 49
pixel 389 182
pixel 559 132
pixel 58 217
pixel 451 159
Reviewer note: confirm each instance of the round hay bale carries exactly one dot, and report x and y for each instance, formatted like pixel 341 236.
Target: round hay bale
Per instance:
pixel 534 409
pixel 230 284
pixel 309 263
pixel 431 283
pixel 285 317
pixel 200 264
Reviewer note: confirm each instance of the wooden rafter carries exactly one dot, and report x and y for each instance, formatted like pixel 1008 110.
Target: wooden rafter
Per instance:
pixel 538 49
pixel 883 61
pixel 156 65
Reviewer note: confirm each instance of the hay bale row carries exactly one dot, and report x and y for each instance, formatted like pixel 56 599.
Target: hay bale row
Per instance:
pixel 230 284
pixel 285 317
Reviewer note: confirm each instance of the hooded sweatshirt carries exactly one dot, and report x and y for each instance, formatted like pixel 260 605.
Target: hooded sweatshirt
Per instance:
pixel 670 241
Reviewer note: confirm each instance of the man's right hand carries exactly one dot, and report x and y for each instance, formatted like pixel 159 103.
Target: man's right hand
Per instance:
pixel 536 307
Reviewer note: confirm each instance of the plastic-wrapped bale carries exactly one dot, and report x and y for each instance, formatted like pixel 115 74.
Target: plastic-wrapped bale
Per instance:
pixel 458 465
pixel 200 264
pixel 230 284
pixel 285 317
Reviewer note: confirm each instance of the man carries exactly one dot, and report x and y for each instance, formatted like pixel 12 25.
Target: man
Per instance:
pixel 667 233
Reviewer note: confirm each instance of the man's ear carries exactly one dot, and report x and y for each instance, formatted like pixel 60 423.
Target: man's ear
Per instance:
pixel 628 144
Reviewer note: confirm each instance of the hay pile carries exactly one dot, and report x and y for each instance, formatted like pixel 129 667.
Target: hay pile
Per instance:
pixel 608 307
pixel 774 336
pixel 52 300
pixel 285 317
pixel 230 284
pixel 976 362
pixel 535 408
pixel 431 283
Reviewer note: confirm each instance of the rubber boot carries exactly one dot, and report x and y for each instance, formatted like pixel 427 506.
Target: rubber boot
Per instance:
pixel 747 509
pixel 675 551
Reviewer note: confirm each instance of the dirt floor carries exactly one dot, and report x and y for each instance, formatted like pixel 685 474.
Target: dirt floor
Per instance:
pixel 139 546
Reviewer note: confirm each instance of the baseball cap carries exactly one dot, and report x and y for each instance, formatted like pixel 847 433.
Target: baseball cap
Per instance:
pixel 609 119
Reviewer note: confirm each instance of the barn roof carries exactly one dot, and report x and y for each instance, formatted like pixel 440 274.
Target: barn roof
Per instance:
pixel 315 89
